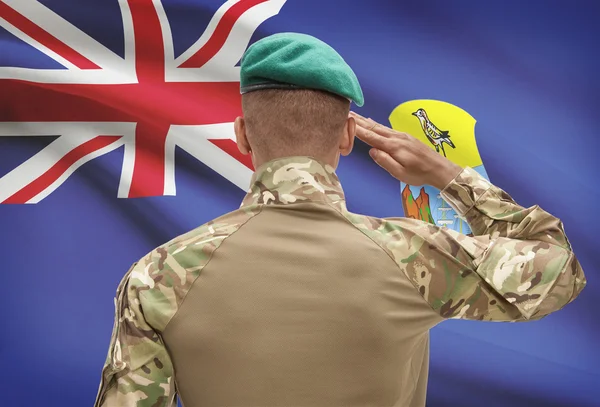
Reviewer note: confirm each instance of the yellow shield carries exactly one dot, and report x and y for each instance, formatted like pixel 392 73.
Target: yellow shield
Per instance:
pixel 449 130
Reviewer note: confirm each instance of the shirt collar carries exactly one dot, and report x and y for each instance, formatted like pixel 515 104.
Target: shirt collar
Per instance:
pixel 294 179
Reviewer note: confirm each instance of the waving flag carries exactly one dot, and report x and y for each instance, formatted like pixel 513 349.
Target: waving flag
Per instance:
pixel 149 101
pixel 116 135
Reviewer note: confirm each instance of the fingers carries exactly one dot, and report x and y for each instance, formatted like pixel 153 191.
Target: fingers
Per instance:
pixel 371 132
pixel 362 121
pixel 373 139
pixel 368 124
pixel 385 161
pixel 378 128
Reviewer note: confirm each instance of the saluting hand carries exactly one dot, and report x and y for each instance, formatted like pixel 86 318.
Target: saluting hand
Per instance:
pixel 403 156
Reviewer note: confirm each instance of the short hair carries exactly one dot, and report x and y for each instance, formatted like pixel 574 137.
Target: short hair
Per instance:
pixel 285 122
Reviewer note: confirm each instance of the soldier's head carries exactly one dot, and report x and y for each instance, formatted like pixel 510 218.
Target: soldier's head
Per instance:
pixel 296 95
pixel 283 122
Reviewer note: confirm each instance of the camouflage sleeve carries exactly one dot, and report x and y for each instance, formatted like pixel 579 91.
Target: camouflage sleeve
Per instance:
pixel 138 370
pixel 491 211
pixel 518 266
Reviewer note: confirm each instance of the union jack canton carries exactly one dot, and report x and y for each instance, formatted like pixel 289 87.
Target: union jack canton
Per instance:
pixel 148 101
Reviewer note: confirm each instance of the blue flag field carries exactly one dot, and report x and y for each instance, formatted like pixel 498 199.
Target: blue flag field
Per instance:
pixel 116 135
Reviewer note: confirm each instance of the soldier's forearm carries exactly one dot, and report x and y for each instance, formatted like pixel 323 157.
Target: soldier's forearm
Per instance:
pixel 491 211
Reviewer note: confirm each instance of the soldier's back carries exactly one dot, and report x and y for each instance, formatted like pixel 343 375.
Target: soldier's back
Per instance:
pixel 298 307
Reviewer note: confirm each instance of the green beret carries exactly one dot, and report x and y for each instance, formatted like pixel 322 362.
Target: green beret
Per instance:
pixel 297 61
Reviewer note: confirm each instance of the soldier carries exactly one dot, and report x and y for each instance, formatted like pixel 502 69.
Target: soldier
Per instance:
pixel 292 300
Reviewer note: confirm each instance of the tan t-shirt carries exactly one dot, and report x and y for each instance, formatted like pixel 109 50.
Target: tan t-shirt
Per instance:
pixel 294 301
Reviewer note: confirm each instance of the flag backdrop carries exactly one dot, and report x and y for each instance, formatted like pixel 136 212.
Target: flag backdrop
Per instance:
pixel 116 136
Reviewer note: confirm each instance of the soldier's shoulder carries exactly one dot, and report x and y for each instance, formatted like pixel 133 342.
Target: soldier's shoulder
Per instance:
pixel 164 276
pixel 214 230
pixel 394 235
pixel 203 239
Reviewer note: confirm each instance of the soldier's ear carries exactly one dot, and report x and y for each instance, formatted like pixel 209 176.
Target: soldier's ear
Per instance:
pixel 239 126
pixel 347 139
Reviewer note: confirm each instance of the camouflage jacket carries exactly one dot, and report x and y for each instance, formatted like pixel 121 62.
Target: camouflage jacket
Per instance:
pixel 518 266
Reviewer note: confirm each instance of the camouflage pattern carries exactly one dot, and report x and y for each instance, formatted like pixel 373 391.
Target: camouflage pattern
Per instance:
pixel 518 266
pixel 295 179
pixel 529 260
pixel 138 370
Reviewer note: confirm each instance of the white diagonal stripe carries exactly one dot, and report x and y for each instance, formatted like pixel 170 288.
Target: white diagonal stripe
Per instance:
pixel 195 141
pixel 60 180
pixel 166 32
pixel 128 33
pixel 37 165
pixel 24 37
pixel 68 34
pixel 241 33
pixel 208 32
